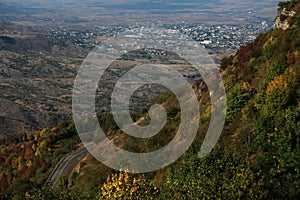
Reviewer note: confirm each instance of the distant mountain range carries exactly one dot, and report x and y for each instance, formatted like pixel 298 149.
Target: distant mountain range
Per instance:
pixel 15 6
pixel 123 11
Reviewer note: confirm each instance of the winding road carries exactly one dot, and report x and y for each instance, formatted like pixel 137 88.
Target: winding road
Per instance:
pixel 65 166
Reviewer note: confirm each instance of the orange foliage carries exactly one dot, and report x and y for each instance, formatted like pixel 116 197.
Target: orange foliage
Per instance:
pixel 278 83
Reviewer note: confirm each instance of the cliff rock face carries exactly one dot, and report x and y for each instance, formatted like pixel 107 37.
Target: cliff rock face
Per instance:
pixel 283 20
pixel 288 14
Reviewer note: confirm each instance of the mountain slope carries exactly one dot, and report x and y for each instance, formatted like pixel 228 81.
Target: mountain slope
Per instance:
pixel 258 156
pixel 37 72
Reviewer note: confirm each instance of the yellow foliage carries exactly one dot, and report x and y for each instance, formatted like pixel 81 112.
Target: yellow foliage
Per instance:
pixel 43 132
pixel 297 54
pixel 246 86
pixel 270 41
pixel 14 163
pixel 33 147
pixel 235 59
pixel 43 144
pixel 278 83
pixel 28 163
pixel 208 111
pixel 27 195
pixel 291 72
pixel 20 165
pixel 38 153
pixel 126 186
pixel 36 136
pixel 283 82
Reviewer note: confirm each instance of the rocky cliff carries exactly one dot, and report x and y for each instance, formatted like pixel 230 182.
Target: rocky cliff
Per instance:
pixel 288 15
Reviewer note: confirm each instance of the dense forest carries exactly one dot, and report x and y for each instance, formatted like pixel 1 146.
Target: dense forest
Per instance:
pixel 257 157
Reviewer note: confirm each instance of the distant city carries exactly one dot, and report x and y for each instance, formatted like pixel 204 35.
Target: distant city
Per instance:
pixel 213 37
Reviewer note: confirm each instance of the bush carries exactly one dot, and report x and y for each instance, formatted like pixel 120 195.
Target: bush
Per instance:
pixel 225 62
pixel 126 186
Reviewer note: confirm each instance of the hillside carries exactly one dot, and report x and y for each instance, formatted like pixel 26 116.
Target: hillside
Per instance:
pixel 258 154
pixel 36 76
pixel 26 163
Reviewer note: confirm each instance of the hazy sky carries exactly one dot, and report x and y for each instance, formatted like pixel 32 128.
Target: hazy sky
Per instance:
pixel 126 2
pixel 265 8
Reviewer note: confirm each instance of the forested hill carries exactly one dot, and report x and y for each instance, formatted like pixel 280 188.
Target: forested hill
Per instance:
pixel 258 154
pixel 259 151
